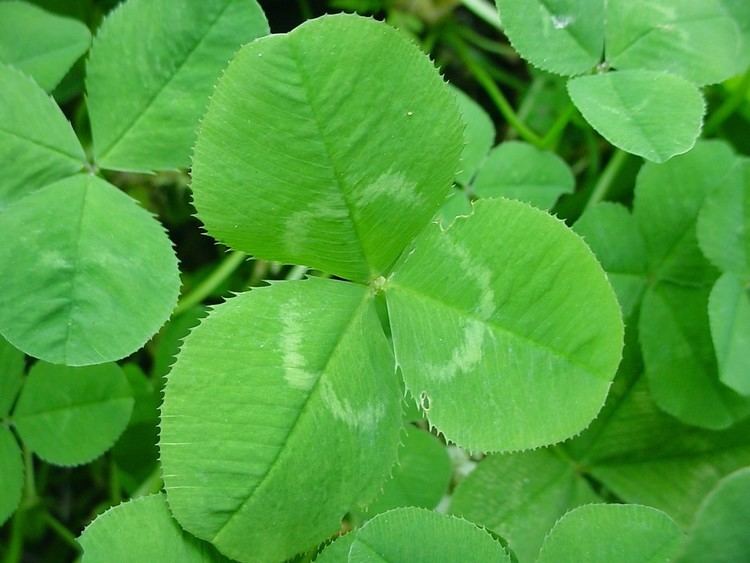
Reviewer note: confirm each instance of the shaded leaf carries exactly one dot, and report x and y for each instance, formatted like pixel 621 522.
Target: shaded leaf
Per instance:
pixel 37 144
pixel 520 171
pixel 719 532
pixel 11 375
pixel 416 535
pixel 653 114
pixel 521 496
pixel 69 416
pixel 729 315
pixel 81 291
pixel 142 530
pixel 515 329
pixel 294 429
pixel 701 41
pixel 145 106
pixel 616 533
pixel 479 136
pixel 11 468
pixel 561 36
pixel 39 43
pixel 313 107
pixel 614 236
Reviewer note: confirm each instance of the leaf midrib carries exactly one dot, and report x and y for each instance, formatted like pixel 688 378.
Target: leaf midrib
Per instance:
pixel 150 101
pixel 475 317
pixel 295 423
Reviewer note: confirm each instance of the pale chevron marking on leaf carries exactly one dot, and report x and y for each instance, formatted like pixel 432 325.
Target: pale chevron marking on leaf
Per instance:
pixel 392 185
pixel 361 417
pixel 296 373
pixel 468 353
pixel 300 223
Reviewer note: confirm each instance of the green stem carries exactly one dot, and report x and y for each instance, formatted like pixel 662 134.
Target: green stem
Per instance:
pixel 484 11
pixel 62 532
pixel 29 499
pixel 497 96
pixel 552 137
pixel 487 44
pixel 115 493
pixel 608 175
pixel 729 106
pixel 260 271
pixel 209 285
pixel 151 484
pixel 297 273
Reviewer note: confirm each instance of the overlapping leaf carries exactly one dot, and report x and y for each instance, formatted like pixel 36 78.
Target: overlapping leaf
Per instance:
pixel 37 144
pixel 562 36
pixel 479 136
pixel 616 533
pixel 143 530
pixel 41 44
pixel 719 532
pixel 151 70
pixel 283 407
pixel 416 535
pixel 81 291
pixel 521 171
pixel 521 496
pixel 653 114
pixel 11 375
pixel 69 416
pixel 507 340
pixel 285 165
pixel 11 468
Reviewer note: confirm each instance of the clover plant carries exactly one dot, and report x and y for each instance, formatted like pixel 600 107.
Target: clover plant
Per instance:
pixel 408 331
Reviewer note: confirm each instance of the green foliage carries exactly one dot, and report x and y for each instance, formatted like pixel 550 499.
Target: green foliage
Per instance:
pixel 142 530
pixel 312 118
pixel 649 113
pixel 448 312
pixel 168 75
pixel 69 416
pixel 521 171
pixel 57 301
pixel 623 533
pixel 521 496
pixel 39 43
pixel 420 536
pixel 37 144
pixel 719 532
pixel 485 320
pixel 420 477
pixel 328 385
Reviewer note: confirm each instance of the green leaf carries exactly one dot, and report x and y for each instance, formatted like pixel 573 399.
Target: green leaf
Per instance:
pixel 560 36
pixel 521 171
pixel 41 44
pixel 142 530
pixel 457 204
pixel 11 375
pixel 337 551
pixel 82 290
pixel 729 316
pixel 701 41
pixel 680 361
pixel 724 221
pixel 668 200
pixel 145 106
pixel 293 429
pixel 349 161
pixel 479 136
pixel 719 532
pixel 653 114
pixel 416 535
pixel 420 478
pixel 11 468
pixel 504 332
pixel 645 456
pixel 614 236
pixel 615 533
pixel 521 496
pixel 69 416
pixel 37 144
